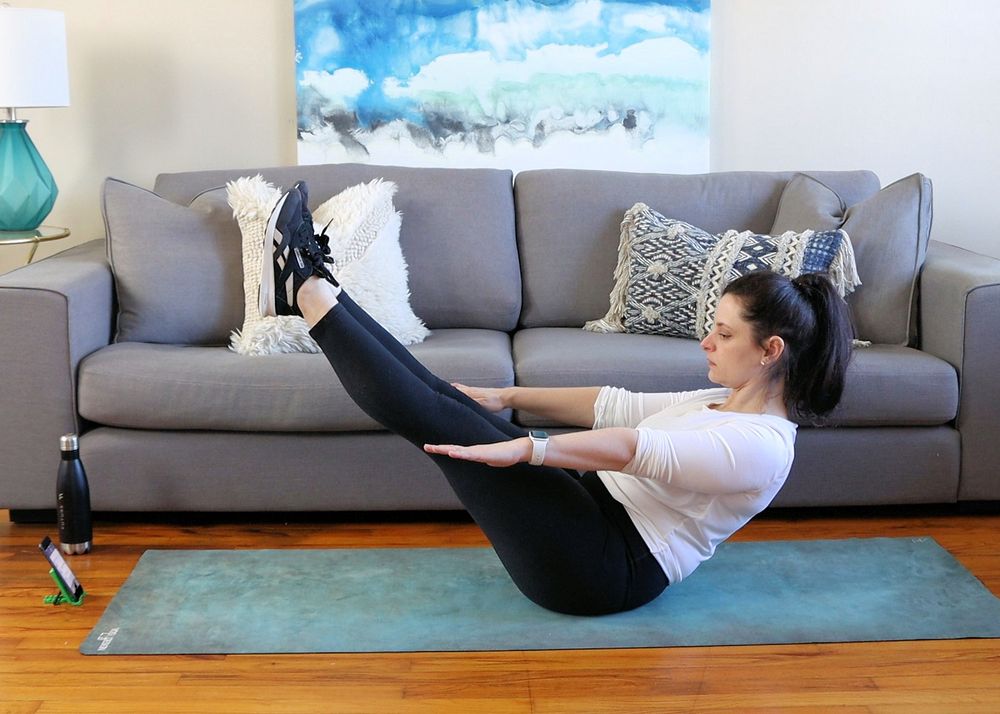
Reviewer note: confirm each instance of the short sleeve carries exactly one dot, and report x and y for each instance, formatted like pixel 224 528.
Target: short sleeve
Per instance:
pixel 619 407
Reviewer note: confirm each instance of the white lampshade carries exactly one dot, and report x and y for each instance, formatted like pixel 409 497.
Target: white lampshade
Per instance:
pixel 33 58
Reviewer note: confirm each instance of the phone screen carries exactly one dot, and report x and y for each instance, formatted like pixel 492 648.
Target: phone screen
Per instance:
pixel 61 567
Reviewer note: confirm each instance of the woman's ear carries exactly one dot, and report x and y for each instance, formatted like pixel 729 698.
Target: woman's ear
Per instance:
pixel 774 347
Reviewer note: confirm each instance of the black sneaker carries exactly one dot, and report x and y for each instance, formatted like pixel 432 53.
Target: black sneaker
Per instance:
pixel 295 256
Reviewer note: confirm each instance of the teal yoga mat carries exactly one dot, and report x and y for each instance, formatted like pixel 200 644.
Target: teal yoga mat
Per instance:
pixel 458 599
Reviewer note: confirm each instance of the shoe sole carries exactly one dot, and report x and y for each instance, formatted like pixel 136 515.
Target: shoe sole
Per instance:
pixel 266 291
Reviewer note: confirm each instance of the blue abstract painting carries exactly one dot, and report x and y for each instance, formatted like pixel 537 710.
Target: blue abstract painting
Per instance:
pixel 611 84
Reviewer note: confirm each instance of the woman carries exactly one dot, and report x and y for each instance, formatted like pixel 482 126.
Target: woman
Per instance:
pixel 609 516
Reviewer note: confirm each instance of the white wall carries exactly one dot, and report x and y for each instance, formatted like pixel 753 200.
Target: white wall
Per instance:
pixel 895 86
pixel 162 85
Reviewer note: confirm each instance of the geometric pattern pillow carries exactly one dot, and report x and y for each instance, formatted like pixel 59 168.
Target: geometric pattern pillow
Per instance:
pixel 670 274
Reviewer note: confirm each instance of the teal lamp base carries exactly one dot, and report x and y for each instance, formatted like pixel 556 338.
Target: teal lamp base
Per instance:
pixel 27 189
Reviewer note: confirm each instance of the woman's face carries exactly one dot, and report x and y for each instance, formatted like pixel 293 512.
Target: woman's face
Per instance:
pixel 734 355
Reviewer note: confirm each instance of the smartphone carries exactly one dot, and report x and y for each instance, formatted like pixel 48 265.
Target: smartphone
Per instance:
pixel 67 580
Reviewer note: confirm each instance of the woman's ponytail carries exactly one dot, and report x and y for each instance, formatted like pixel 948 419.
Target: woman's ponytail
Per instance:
pixel 815 324
pixel 816 378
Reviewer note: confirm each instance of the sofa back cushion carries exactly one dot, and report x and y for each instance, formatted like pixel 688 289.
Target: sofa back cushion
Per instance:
pixel 178 275
pixel 568 225
pixel 457 232
pixel 889 232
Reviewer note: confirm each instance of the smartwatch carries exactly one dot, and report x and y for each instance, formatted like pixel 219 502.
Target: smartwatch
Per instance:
pixel 539 440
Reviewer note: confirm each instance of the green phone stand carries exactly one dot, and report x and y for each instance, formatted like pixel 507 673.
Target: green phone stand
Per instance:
pixel 62 596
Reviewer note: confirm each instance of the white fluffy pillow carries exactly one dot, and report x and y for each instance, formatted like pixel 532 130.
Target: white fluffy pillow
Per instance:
pixel 364 240
pixel 363 227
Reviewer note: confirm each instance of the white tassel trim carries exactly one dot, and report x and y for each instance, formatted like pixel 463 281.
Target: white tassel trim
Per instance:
pixel 844 271
pixel 268 335
pixel 252 198
pixel 612 321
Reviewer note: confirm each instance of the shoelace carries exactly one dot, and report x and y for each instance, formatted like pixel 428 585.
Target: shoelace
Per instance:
pixel 324 241
pixel 317 253
pixel 321 238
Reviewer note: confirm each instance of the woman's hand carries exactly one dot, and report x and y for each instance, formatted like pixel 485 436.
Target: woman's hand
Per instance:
pixel 502 453
pixel 489 397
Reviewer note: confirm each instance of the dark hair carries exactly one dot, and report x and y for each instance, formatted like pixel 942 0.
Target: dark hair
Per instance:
pixel 815 323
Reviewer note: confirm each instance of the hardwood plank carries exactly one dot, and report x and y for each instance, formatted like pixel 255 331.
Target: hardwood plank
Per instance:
pixel 19 707
pixel 990 707
pixel 279 704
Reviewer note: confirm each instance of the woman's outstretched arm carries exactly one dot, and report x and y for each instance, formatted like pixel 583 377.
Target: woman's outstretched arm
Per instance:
pixel 566 405
pixel 601 449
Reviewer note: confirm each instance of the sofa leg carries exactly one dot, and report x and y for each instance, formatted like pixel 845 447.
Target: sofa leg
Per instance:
pixel 33 515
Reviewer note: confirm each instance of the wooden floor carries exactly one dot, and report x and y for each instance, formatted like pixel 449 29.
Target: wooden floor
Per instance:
pixel 42 671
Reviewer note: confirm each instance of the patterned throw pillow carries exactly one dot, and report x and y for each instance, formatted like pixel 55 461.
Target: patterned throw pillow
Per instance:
pixel 670 274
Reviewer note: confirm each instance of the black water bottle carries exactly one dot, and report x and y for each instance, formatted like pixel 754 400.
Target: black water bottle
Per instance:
pixel 72 499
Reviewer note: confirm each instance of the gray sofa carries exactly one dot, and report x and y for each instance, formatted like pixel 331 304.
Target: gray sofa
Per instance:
pixel 505 272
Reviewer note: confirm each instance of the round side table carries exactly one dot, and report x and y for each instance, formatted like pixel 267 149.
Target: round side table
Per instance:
pixel 40 234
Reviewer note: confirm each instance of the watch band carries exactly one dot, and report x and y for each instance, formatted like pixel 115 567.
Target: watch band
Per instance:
pixel 539 442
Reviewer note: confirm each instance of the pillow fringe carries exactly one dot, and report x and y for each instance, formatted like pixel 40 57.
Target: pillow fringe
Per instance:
pixel 844 270
pixel 269 335
pixel 252 198
pixel 612 321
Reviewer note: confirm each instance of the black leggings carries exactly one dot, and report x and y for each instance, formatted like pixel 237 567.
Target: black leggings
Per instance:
pixel 568 545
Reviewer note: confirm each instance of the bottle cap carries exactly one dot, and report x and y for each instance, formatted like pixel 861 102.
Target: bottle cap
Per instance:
pixel 69 442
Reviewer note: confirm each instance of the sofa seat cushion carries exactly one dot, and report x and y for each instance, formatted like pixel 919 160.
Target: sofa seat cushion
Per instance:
pixel 149 386
pixel 887 385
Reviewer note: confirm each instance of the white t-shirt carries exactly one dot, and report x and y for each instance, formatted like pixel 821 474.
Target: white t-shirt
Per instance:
pixel 698 474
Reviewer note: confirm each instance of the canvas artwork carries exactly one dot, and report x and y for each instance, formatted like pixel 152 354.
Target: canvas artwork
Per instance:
pixel 609 84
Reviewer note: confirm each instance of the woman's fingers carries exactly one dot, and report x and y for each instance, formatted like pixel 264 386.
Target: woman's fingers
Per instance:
pixel 491 454
pixel 451 450
pixel 487 397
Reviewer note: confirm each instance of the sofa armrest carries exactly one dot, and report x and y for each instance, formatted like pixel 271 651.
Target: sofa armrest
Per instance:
pixel 53 313
pixel 960 323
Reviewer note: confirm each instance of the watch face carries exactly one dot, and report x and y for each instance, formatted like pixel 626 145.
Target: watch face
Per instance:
pixel 538 434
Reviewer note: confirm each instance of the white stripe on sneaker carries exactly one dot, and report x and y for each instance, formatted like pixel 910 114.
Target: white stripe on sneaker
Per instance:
pixel 266 289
